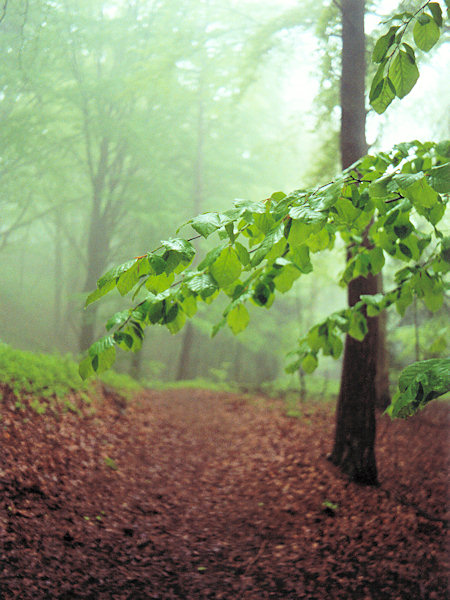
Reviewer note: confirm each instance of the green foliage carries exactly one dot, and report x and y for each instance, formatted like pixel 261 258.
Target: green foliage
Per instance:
pixel 111 463
pixel 397 73
pixel 41 375
pixel 264 247
pixel 44 378
pixel 420 383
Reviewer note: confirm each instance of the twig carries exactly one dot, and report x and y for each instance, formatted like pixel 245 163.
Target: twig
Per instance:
pixel 253 560
pixel 3 13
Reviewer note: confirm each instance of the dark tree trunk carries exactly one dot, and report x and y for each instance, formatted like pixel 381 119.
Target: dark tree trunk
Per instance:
pixel 354 445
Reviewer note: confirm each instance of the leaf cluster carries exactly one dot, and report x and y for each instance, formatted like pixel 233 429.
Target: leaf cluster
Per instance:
pixel 420 383
pixel 397 72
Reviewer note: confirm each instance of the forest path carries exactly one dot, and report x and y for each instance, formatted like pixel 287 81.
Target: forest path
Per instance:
pixel 192 494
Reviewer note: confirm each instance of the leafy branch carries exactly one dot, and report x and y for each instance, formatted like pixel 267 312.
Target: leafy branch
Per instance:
pixel 264 247
pixel 397 73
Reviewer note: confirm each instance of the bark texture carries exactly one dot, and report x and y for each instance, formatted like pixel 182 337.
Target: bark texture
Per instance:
pixel 354 445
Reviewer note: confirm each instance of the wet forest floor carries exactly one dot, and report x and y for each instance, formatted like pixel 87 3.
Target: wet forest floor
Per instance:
pixel 192 495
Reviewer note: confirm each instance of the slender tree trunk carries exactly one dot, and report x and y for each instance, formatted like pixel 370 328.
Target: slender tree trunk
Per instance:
pixel 188 337
pixel 97 256
pixel 354 445
pixel 58 271
pixel 98 238
pixel 136 364
pixel 184 360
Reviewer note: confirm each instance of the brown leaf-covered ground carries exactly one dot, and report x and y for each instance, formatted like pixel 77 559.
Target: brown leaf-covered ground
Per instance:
pixel 192 494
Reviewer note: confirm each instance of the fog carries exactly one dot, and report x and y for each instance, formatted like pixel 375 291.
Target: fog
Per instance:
pixel 121 120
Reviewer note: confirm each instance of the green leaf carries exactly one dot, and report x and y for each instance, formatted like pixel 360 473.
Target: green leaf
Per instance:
pixel 309 363
pixel 358 326
pixel 376 260
pixel 128 279
pixel 346 211
pixel 158 283
pixel 374 302
pixel 262 295
pixel 403 73
pixel 180 246
pixel 226 268
pixel 124 340
pixel 315 339
pixel 242 253
pixel 175 324
pixel 284 281
pixel 319 241
pixel 405 250
pixel 115 272
pixel 404 299
pixel 306 215
pixel 439 178
pixel 202 284
pixel 268 244
pixel 382 95
pixel 301 258
pixel 212 256
pixel 278 196
pixel 430 289
pixel 238 318
pixel 207 223
pixel 436 11
pixel 383 44
pixel 426 32
pixel 102 354
pixel 403 227
pixel 378 188
pixel 421 194
pixel 264 222
pixel 157 264
pixel 189 306
pixel 85 368
pixel 109 462
pixel 118 318
pixel 300 232
pixel 420 383
pixel 99 292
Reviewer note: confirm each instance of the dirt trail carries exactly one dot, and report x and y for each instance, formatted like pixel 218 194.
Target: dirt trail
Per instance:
pixel 192 495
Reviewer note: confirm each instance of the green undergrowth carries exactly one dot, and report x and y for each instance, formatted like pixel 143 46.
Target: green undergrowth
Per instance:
pixel 42 380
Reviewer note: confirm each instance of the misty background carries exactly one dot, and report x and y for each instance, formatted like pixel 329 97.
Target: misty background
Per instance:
pixel 122 119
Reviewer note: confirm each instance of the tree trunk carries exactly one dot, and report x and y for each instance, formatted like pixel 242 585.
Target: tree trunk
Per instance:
pixel 98 242
pixel 189 334
pixel 97 257
pixel 354 445
pixel 382 391
pixel 185 353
